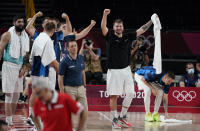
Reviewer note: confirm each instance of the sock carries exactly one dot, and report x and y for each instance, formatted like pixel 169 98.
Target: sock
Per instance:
pixel 114 113
pixel 9 119
pixel 123 112
pixel 147 94
pixel 30 111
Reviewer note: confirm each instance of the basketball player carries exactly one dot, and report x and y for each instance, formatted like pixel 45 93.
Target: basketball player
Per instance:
pixel 13 46
pixel 119 76
pixel 159 85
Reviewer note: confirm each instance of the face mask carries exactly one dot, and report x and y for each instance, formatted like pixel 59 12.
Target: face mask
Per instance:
pixel 190 71
pixel 18 29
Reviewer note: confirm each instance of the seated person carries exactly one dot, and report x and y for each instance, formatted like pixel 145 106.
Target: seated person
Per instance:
pixel 190 79
pixel 93 68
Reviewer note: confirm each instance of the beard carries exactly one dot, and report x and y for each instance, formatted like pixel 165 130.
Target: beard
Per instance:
pixel 19 29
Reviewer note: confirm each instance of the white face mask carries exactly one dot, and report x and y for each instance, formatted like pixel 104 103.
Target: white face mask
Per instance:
pixel 191 71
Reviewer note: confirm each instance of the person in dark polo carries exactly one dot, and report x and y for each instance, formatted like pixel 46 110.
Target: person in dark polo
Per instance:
pixel 71 76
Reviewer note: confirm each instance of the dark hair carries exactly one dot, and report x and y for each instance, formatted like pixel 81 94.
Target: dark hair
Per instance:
pixel 118 21
pixel 189 63
pixel 170 74
pixel 70 40
pixel 50 26
pixel 45 19
pixel 15 18
pixel 2 123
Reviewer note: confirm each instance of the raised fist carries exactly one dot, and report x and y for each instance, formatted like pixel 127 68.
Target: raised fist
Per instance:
pixel 64 16
pixel 93 22
pixel 107 11
pixel 39 14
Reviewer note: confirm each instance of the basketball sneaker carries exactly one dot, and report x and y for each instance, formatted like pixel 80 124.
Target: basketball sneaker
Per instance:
pixel 148 117
pixel 124 122
pixel 156 117
pixel 30 121
pixel 116 124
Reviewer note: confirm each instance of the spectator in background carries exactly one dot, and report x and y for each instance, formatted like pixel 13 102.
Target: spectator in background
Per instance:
pixel 139 56
pixel 198 65
pixel 93 68
pixel 190 79
pixel 198 69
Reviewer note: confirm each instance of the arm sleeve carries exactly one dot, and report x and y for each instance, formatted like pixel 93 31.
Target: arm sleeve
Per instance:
pixel 48 54
pixel 62 67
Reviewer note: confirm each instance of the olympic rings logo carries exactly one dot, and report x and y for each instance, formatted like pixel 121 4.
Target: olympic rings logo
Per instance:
pixel 184 95
pixel 149 41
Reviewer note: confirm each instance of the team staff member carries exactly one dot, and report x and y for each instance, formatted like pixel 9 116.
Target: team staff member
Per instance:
pixel 119 76
pixel 55 109
pixel 71 76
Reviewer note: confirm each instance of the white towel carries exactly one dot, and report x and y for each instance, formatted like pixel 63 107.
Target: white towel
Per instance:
pixel 162 119
pixel 157 60
pixel 38 45
pixel 18 49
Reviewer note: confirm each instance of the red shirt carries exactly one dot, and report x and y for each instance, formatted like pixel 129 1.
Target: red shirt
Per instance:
pixel 57 115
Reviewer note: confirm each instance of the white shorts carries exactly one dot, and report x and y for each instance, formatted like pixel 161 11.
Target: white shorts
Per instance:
pixel 11 83
pixel 140 83
pixel 120 81
pixel 52 78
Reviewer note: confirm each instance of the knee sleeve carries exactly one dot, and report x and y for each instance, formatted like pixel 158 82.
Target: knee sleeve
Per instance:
pixel 11 97
pixel 128 99
pixel 8 98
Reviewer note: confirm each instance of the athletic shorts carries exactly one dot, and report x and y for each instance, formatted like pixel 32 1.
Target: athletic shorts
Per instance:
pixel 11 83
pixel 119 81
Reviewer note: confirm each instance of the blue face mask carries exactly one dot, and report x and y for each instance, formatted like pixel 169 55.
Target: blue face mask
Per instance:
pixel 191 71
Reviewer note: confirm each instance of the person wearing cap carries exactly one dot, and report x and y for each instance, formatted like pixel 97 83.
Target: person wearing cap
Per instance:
pixel 55 109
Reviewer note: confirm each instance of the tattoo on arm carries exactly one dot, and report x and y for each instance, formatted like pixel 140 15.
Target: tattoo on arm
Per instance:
pixel 147 25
